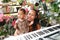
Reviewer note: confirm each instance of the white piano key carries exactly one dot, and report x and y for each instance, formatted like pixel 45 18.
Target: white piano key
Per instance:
pixel 20 37
pixel 11 38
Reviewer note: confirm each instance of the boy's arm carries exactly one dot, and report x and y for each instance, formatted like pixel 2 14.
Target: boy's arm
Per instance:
pixel 16 24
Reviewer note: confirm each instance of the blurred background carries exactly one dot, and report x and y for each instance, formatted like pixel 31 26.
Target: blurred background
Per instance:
pixel 49 13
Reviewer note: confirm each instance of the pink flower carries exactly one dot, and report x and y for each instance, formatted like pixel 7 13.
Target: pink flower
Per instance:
pixel 1 17
pixel 43 0
pixel 7 18
pixel 13 23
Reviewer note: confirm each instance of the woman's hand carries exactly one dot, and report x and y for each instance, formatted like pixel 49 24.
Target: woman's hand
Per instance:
pixel 31 23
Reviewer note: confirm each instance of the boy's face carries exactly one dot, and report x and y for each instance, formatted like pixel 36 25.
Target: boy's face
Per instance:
pixel 21 15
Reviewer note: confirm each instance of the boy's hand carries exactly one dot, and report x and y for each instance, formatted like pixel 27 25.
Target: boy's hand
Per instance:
pixel 15 26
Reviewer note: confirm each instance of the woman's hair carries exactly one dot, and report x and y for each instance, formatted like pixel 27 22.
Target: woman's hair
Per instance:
pixel 36 4
pixel 21 9
pixel 36 20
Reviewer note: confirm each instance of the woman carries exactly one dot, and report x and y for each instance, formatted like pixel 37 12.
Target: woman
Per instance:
pixel 32 17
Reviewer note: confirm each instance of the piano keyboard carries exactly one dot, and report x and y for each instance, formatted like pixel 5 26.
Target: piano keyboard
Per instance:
pixel 38 34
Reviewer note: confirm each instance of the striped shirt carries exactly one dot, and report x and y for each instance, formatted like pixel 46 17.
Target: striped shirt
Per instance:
pixel 22 26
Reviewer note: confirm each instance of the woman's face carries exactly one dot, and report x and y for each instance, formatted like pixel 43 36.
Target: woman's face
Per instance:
pixel 31 15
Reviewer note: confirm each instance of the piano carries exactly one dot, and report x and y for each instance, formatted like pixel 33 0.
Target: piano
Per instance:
pixel 38 34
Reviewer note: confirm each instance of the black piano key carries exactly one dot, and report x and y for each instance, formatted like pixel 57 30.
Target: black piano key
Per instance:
pixel 25 38
pixel 50 29
pixel 55 28
pixel 33 35
pixel 46 31
pixel 36 34
pixel 40 33
pixel 58 27
pixel 30 36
